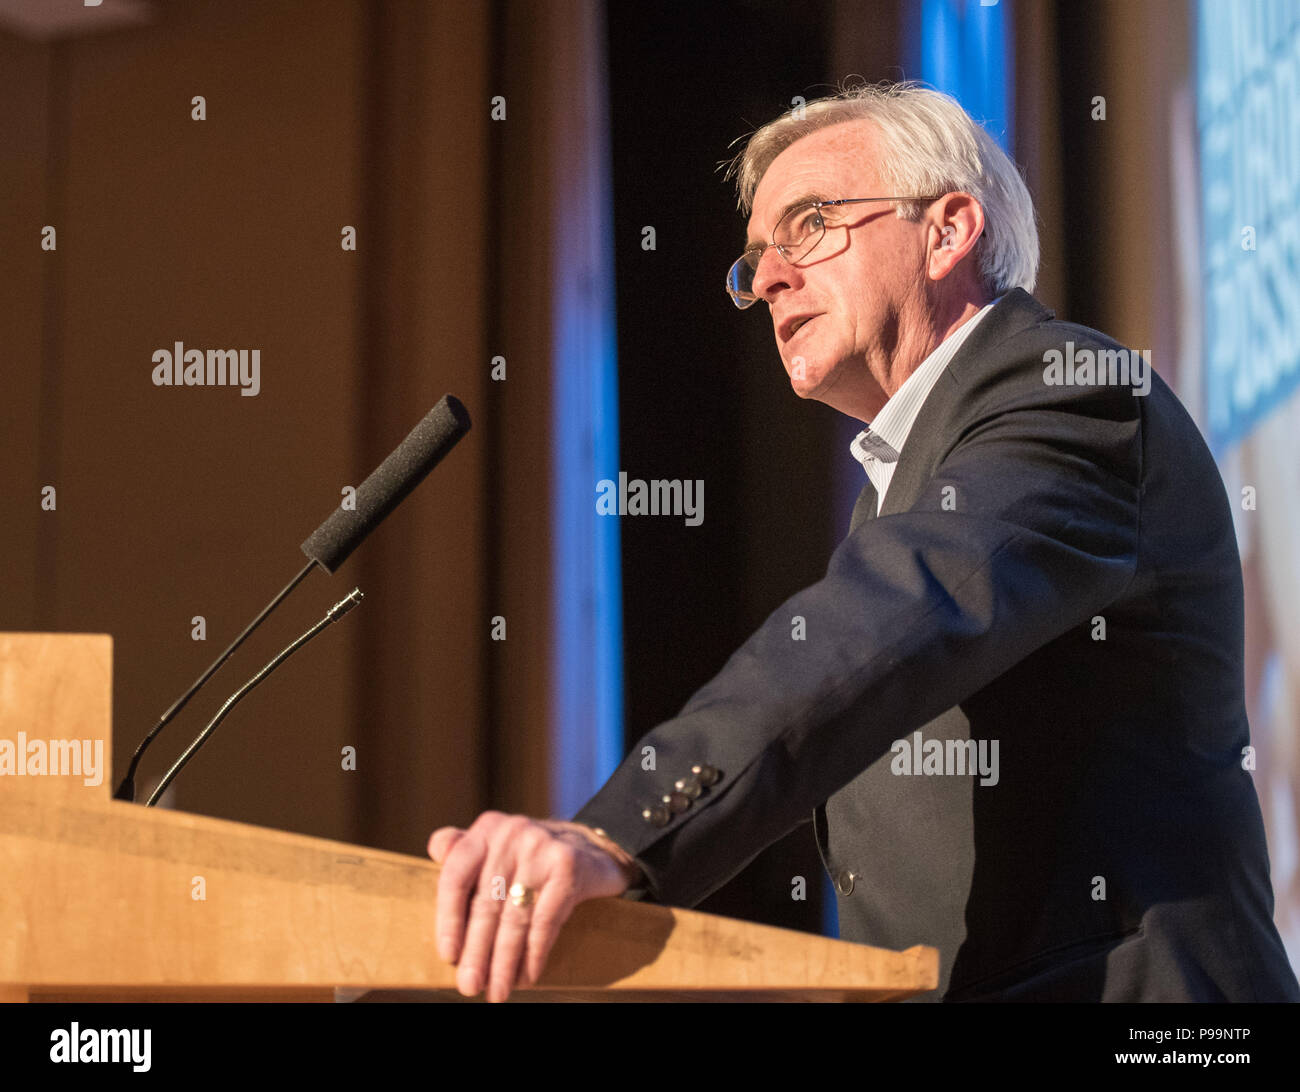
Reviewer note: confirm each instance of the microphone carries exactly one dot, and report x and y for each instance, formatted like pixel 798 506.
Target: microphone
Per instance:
pixel 341 533
pixel 422 450
pixel 337 611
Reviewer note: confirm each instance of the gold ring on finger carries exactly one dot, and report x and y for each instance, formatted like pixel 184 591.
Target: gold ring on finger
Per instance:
pixel 522 895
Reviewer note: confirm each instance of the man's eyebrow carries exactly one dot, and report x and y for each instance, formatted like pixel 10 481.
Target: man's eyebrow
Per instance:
pixel 802 199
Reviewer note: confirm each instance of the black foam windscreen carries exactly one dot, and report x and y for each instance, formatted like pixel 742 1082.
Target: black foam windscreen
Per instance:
pixel 335 539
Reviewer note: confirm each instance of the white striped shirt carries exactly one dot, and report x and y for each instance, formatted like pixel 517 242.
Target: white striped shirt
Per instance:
pixel 879 445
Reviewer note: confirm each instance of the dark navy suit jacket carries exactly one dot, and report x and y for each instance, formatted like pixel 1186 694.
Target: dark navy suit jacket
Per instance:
pixel 1054 568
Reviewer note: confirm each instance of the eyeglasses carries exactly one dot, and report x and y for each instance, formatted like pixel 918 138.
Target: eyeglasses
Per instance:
pixel 796 234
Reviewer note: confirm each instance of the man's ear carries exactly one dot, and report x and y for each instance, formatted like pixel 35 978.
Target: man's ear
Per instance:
pixel 955 224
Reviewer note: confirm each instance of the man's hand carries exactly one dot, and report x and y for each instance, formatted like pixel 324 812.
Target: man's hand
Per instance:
pixel 519 880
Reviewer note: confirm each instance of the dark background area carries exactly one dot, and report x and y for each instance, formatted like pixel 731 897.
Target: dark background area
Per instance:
pixel 702 391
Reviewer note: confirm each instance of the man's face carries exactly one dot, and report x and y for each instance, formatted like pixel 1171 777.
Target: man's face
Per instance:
pixel 858 281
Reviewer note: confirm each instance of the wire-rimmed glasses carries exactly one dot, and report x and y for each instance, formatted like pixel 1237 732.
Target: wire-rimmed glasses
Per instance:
pixel 795 236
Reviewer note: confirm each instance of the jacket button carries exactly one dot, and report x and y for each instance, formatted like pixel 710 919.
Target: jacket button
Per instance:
pixel 708 775
pixel 844 881
pixel 657 816
pixel 690 786
pixel 677 802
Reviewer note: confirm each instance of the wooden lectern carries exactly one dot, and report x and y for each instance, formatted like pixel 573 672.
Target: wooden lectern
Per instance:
pixel 97 897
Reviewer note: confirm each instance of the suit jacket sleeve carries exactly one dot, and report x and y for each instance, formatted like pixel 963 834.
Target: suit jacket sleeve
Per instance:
pixel 1027 528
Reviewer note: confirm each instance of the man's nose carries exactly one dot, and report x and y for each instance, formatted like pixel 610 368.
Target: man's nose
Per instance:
pixel 773 274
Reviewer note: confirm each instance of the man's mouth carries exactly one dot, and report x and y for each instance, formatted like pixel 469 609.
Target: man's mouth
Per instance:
pixel 798 324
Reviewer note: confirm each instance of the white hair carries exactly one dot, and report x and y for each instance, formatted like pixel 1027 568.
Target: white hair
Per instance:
pixel 930 145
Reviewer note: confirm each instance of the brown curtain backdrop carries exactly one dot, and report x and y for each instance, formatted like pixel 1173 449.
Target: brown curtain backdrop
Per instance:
pixel 182 502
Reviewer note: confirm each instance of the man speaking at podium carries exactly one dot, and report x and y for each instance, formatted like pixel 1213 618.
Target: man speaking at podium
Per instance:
pixel 1018 716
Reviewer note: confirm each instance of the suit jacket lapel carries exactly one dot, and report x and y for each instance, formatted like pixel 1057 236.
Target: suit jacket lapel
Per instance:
pixel 865 508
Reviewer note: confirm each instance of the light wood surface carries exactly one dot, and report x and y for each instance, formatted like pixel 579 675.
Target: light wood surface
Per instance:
pixel 99 899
